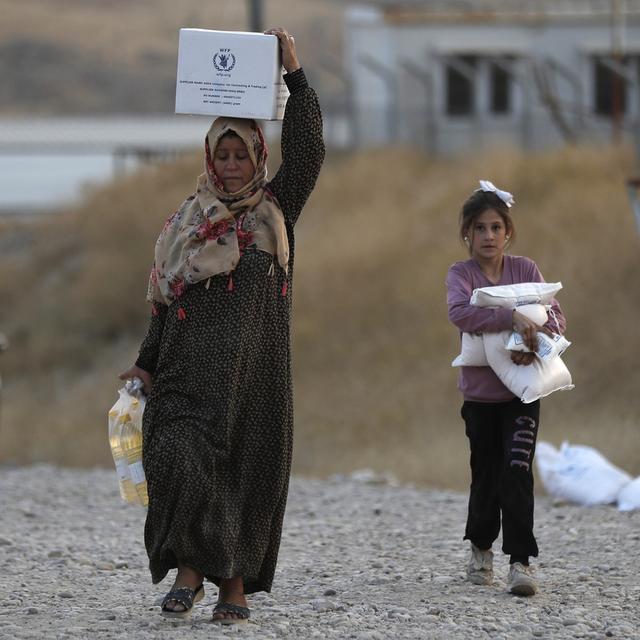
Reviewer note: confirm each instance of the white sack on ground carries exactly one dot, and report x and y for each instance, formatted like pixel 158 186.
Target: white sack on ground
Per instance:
pixel 629 496
pixel 579 474
pixel 527 382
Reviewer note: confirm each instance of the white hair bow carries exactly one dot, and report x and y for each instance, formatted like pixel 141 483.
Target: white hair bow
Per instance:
pixel 505 196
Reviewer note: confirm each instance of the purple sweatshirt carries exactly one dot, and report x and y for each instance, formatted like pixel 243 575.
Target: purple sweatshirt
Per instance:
pixel 481 384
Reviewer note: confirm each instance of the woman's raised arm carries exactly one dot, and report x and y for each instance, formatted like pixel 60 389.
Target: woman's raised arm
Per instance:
pixel 302 142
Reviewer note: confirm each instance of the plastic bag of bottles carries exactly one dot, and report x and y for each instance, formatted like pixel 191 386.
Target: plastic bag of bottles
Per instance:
pixel 125 439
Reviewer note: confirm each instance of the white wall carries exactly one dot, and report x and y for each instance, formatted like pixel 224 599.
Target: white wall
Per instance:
pixel 569 42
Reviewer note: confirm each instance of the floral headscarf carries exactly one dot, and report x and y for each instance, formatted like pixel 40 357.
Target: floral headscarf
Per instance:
pixel 211 229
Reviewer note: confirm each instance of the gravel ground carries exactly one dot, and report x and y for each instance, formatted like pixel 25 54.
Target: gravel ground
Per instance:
pixel 360 558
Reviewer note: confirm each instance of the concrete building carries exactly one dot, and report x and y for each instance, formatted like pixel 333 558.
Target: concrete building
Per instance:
pixel 450 75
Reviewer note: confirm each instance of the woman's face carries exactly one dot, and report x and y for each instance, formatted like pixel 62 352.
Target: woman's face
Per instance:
pixel 487 235
pixel 232 163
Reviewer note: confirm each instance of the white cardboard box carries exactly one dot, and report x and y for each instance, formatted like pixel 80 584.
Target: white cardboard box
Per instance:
pixel 230 73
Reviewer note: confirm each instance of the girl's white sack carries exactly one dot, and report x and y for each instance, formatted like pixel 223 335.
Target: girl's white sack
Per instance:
pixel 548 347
pixel 472 352
pixel 515 295
pixel 528 382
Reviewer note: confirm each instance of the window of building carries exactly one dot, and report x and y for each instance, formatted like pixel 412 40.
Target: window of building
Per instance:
pixel 460 88
pixel 499 89
pixel 610 89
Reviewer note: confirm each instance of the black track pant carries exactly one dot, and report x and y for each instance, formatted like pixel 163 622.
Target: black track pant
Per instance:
pixel 502 436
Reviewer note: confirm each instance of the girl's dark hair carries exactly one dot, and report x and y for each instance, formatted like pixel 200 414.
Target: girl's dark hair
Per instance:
pixel 479 202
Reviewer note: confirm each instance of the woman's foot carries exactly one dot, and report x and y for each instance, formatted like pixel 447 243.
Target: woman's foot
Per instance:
pixel 187 577
pixel 231 594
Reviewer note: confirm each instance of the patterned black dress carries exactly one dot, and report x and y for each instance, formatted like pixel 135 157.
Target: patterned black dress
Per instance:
pixel 218 424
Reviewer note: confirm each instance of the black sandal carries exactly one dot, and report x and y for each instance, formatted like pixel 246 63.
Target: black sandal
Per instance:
pixel 243 614
pixel 185 596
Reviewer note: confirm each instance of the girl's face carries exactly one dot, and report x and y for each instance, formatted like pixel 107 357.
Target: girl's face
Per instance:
pixel 487 236
pixel 232 164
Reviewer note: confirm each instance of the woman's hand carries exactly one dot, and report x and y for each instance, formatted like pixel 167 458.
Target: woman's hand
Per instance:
pixel 522 357
pixel 288 48
pixel 137 372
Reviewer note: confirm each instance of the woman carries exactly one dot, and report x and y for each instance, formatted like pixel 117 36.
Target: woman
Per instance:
pixel 501 456
pixel 216 360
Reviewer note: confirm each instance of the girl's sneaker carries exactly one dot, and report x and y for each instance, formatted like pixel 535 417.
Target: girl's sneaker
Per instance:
pixel 480 567
pixel 520 581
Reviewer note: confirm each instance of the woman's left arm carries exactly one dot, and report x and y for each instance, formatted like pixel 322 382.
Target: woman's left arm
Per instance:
pixel 302 142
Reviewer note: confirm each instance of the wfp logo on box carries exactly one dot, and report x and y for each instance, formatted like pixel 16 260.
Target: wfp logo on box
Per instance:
pixel 224 60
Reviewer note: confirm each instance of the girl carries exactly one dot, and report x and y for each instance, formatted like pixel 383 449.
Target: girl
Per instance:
pixel 502 430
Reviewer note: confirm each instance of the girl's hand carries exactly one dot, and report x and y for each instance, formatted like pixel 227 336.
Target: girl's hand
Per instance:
pixel 287 47
pixel 137 372
pixel 527 328
pixel 522 357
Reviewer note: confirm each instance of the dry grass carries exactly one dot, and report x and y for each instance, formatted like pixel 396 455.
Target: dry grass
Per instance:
pixel 379 352
pixel 372 344
pixel 93 56
pixel 127 31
